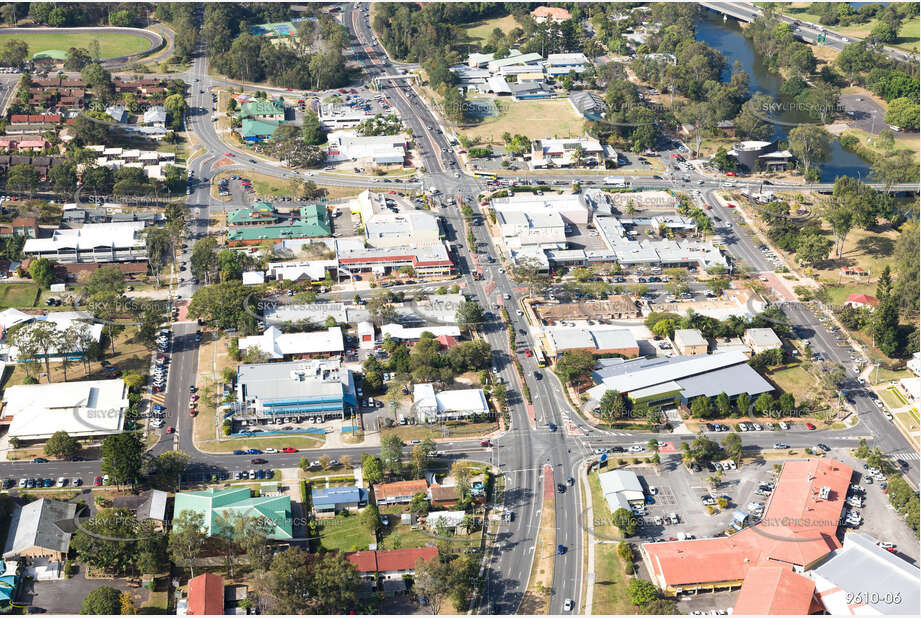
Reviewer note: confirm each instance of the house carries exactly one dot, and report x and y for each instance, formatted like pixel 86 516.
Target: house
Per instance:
pixel 401 333
pixel 453 521
pixel 257 213
pixel 862 301
pixel 400 492
pixel 40 529
pixel 90 408
pixel 553 13
pixel 118 113
pixel 597 340
pixel 216 504
pixel 689 342
pixel 621 489
pixel 20 226
pixel 291 346
pixel 390 564
pixel 718 345
pixel 365 335
pixel 761 340
pixel 264 109
pixel 206 595
pixel 148 505
pixel 451 405
pixel 330 500
pixel 443 495
pixel 155 116
pixel 860 564
pixel 294 391
pixel 257 130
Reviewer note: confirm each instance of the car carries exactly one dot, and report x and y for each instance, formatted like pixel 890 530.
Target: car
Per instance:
pixel 560 550
pixel 97 481
pixel 30 484
pixel 239 452
pixel 561 488
pixel 538 375
pixel 253 451
pixel 636 448
pixel 810 426
pixel 784 425
pixel 39 460
pixel 568 605
pixel 824 447
pixel 571 481
pixel 890 547
pixel 47 483
pixel 485 443
pixel 289 449
pixel 23 483
pixel 170 429
pixel 76 481
pixel 61 481
pixel 781 445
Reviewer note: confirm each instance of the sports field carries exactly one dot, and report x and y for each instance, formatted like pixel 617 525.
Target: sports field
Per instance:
pixel 536 119
pixel 112 45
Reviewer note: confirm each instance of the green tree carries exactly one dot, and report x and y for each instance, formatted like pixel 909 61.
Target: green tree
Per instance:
pixel 312 130
pixel 625 522
pixel 372 468
pixel 743 402
pixel 723 405
pixel 811 145
pixel 392 453
pixel 642 591
pixel 764 404
pixel 701 407
pixel 885 326
pixel 122 457
pixel 903 113
pixel 62 444
pixel 23 178
pixel 371 518
pixel 574 366
pixel 813 248
pixel 470 314
pixel 187 539
pixel 612 406
pixel 732 444
pixel 106 279
pixel 104 600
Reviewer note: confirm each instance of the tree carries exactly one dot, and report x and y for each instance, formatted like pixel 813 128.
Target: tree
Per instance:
pixel 372 468
pixel 187 539
pixel 176 105
pixel 113 541
pixel 102 601
pixel 810 144
pixel 62 444
pixel 470 314
pixel 642 591
pixel 743 402
pixel 625 522
pixel 8 14
pixel 612 406
pixel 15 51
pixel 24 178
pixel 106 279
pixel 723 405
pixel 701 407
pixel 371 518
pixel 432 579
pixel 883 32
pixel 461 473
pixel 903 113
pixel 166 468
pixel 812 248
pixel 885 326
pixel 574 366
pixel 732 444
pixel 392 453
pixel 122 457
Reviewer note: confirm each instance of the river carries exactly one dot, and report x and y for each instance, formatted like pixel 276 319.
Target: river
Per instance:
pixel 727 38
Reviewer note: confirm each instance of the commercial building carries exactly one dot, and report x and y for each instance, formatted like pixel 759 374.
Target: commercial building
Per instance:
pixel 495 65
pixel 400 492
pixel 94 242
pixel 860 566
pixel 757 155
pixel 398 332
pixel 294 391
pixel 426 261
pixel 403 229
pixel 615 307
pixel 531 89
pixel 309 270
pixel 761 340
pixel 219 506
pixel 313 223
pixel 658 381
pixel 40 529
pixel 798 530
pixel 561 152
pixel 562 64
pixel 291 346
pixel 571 207
pixel 774 589
pixel 432 407
pixel 263 109
pixel 257 130
pixel 330 500
pixel 379 149
pixel 546 230
pixel 82 409
pixel 621 489
pixel 335 117
pixel 597 340
pixel 690 342
pixel 257 213
pixel 78 321
pixel 588 104
pixel 663 253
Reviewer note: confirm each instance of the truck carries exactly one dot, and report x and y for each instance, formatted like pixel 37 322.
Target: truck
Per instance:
pixel 617 181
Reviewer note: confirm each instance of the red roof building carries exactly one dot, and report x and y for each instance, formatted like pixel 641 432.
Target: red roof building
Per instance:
pixel 206 595
pixel 798 529
pixel 778 591
pixel 391 561
pixel 543 13
pixel 861 300
pixel 446 340
pixel 399 492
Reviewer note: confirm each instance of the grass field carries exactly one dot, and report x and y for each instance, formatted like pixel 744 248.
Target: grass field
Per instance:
pixel 908 33
pixel 478 32
pixel 871 150
pixel 18 295
pixel 795 381
pixel 345 532
pixel 534 119
pixel 838 294
pixel 610 596
pixel 111 45
pixel 421 432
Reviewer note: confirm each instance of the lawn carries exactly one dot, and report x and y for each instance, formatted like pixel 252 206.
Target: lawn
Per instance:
pixel 610 596
pixel 18 295
pixel 837 295
pixel 478 32
pixel 344 533
pixel 795 381
pixel 908 33
pixel 400 536
pixel 889 398
pixel 534 119
pixel 421 432
pixel 870 150
pixel 883 375
pixel 111 44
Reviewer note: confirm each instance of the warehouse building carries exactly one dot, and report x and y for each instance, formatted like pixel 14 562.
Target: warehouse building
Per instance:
pixel 277 345
pixel 621 489
pixel 432 407
pixel 378 149
pixel 94 242
pixel 597 340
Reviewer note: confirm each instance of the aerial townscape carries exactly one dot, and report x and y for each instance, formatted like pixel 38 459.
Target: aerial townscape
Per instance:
pixel 417 308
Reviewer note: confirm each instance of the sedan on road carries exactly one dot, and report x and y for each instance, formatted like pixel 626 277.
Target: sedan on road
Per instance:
pixel 258 460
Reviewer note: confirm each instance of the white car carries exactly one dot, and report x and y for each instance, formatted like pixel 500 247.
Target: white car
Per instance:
pixel 636 448
pixel 271 451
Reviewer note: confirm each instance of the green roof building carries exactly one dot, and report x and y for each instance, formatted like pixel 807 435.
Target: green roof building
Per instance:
pixel 314 223
pixel 257 130
pixel 263 109
pixel 219 506
pixel 257 213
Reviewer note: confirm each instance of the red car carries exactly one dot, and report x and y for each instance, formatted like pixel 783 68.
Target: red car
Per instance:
pixel 730 205
pixel 810 426
pixel 230 154
pixel 485 443
pixel 730 173
pixel 97 481
pixel 193 412
pixel 157 389
pixel 289 449
pixel 527 353
pixel 170 429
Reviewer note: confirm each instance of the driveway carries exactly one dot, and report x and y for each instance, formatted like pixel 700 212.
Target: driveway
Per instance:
pixel 65 596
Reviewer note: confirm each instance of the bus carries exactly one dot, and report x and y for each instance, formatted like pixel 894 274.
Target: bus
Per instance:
pixel 481 174
pixel 541 359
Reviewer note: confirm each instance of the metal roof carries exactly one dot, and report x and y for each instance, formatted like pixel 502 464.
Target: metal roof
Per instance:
pixel 730 380
pixel 666 370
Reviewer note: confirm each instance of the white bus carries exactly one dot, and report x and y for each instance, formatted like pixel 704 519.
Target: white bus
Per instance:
pixel 617 181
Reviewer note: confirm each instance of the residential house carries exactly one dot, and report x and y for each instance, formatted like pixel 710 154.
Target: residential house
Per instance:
pixel 20 226
pixel 155 117
pixel 257 130
pixel 390 564
pixel 552 13
pixel 453 521
pixel 206 595
pixel 264 109
pixel 761 340
pixel 327 501
pixel 400 492
pixel 443 495
pixel 40 529
pixel 147 505
pixel 862 301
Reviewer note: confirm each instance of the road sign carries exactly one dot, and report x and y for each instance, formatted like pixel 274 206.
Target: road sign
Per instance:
pixel 604 457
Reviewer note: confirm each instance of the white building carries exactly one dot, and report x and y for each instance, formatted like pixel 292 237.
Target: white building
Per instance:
pixel 914 364
pixel 380 149
pixel 365 335
pixel 277 345
pixel 562 64
pixel 310 270
pixel 94 242
pixel 521 229
pixel 761 340
pixel 398 332
pixel 81 321
pixel 560 152
pixel 571 207
pixel 432 407
pixel 402 229
pixel 253 277
pixel 341 116
pixel 155 116
pixel 621 489
pixel 82 409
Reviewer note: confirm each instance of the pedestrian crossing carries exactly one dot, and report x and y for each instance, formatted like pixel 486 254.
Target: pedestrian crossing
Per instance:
pixel 905 456
pixel 158 398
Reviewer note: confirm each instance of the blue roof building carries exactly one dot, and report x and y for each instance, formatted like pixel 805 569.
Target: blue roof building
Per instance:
pixel 333 499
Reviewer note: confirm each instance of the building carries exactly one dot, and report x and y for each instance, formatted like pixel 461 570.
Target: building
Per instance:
pixel 148 505
pixel 616 307
pixel 40 529
pixel 257 213
pixel 562 64
pixel 532 59
pixel 400 492
pixel 597 340
pixel 861 565
pixel 272 110
pixel 155 116
pixel 290 346
pixel 83 409
pixel 573 208
pixel 690 342
pixel 553 13
pixel 404 334
pixel 621 489
pixel 761 340
pixel 20 226
pixel 390 564
pixel 530 89
pixel 561 152
pixel 589 105
pixel 94 242
pixel 294 391
pixel 378 149
pixel 914 363
pixel 443 495
pixel 331 500
pixel 774 589
pixel 627 251
pixel 542 229
pixel 862 301
pixel 313 223
pixel 365 331
pixel 253 277
pixel 252 130
pixel 426 261
pixel 453 521
pixel 218 506
pixel 757 155
pixel 911 388
pixel 718 345
pixel 310 270
pixel 206 595
pixel 403 229
pixel 798 531
pixel 79 321
pixel 659 381
pixel 335 117
pixel 432 407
